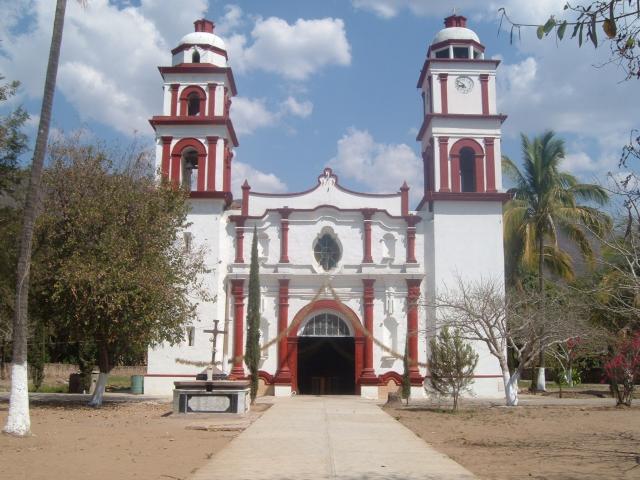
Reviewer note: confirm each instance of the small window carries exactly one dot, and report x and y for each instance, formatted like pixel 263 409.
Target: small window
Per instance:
pixel 443 53
pixel 195 57
pixel 460 52
pixel 325 325
pixel 477 54
pixel 193 104
pixel 191 336
pixel 327 252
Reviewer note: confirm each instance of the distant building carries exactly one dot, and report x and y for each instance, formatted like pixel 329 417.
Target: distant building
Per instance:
pixel 345 275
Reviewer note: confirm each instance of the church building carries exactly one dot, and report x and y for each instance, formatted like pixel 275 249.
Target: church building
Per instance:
pixel 346 277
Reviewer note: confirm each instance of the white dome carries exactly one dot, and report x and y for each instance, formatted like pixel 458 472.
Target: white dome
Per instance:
pixel 455 33
pixel 205 38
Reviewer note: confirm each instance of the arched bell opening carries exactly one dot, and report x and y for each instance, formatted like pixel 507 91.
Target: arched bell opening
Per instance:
pixel 467 166
pixel 190 170
pixel 467 170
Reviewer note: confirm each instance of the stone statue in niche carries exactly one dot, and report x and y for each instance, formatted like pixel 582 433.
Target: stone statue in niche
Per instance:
pixel 388 247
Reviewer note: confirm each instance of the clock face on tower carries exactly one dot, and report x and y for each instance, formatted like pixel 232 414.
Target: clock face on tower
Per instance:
pixel 464 84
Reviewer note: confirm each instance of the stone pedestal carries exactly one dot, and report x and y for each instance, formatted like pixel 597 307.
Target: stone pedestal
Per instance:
pixel 211 396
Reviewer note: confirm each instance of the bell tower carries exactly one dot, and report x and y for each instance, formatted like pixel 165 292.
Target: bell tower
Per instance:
pixel 460 132
pixel 194 134
pixel 462 200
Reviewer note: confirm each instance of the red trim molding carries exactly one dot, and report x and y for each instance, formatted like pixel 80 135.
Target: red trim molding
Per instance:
pixel 226 172
pixel 174 98
pixel 239 221
pixel 452 62
pixel 284 234
pixel 176 159
pixel 184 100
pixel 456 43
pixel 212 143
pixel 246 188
pixel 490 164
pixel 266 377
pixel 484 87
pixel 204 68
pixel 478 169
pixel 166 154
pixel 404 199
pixel 178 121
pixel 347 314
pixel 463 116
pixel 237 290
pixel 283 375
pixel 211 97
pixel 413 295
pixel 368 376
pixel 443 148
pixel 444 101
pixel 467 197
pixel 203 46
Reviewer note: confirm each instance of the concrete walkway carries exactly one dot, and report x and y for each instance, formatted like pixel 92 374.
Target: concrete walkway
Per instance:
pixel 328 438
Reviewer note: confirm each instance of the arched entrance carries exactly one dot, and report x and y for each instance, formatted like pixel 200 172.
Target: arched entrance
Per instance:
pixel 326 342
pixel 326 356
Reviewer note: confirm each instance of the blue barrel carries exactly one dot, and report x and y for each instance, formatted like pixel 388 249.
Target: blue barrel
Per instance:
pixel 137 384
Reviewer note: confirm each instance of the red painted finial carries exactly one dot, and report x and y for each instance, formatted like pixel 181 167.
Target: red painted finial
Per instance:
pixel 404 186
pixel 204 25
pixel 455 21
pixel 245 198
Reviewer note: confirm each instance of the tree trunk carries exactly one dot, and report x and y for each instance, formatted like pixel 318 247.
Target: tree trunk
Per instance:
pixel 18 421
pixel 3 347
pixel 511 388
pixel 540 380
pixel 105 368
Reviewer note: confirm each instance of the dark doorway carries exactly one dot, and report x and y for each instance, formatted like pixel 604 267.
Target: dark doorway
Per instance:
pixel 326 366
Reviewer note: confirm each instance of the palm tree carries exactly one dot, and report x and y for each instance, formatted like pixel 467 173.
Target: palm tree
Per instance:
pixel 546 206
pixel 18 420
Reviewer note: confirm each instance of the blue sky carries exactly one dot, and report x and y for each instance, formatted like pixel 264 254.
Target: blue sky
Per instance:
pixel 320 83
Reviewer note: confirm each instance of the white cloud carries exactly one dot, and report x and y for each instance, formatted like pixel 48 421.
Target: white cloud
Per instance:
pixel 230 21
pixel 294 51
pixel 108 59
pixel 378 166
pixel 260 181
pixel 250 114
pixel 299 109
pixel 524 11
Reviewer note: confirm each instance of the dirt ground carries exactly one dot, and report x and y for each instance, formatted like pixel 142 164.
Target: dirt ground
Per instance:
pixel 121 440
pixel 535 442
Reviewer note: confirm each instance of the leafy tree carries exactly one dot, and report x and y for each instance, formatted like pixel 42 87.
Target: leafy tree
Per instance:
pixel 623 368
pixel 452 362
pixel 38 353
pixel 546 205
pixel 109 264
pixel 252 350
pixel 13 141
pixel 406 374
pixel 18 420
pixel 619 21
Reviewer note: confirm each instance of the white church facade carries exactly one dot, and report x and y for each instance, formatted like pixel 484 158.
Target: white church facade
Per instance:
pixel 345 276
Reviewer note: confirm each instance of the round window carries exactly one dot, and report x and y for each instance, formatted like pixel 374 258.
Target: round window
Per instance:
pixel 327 252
